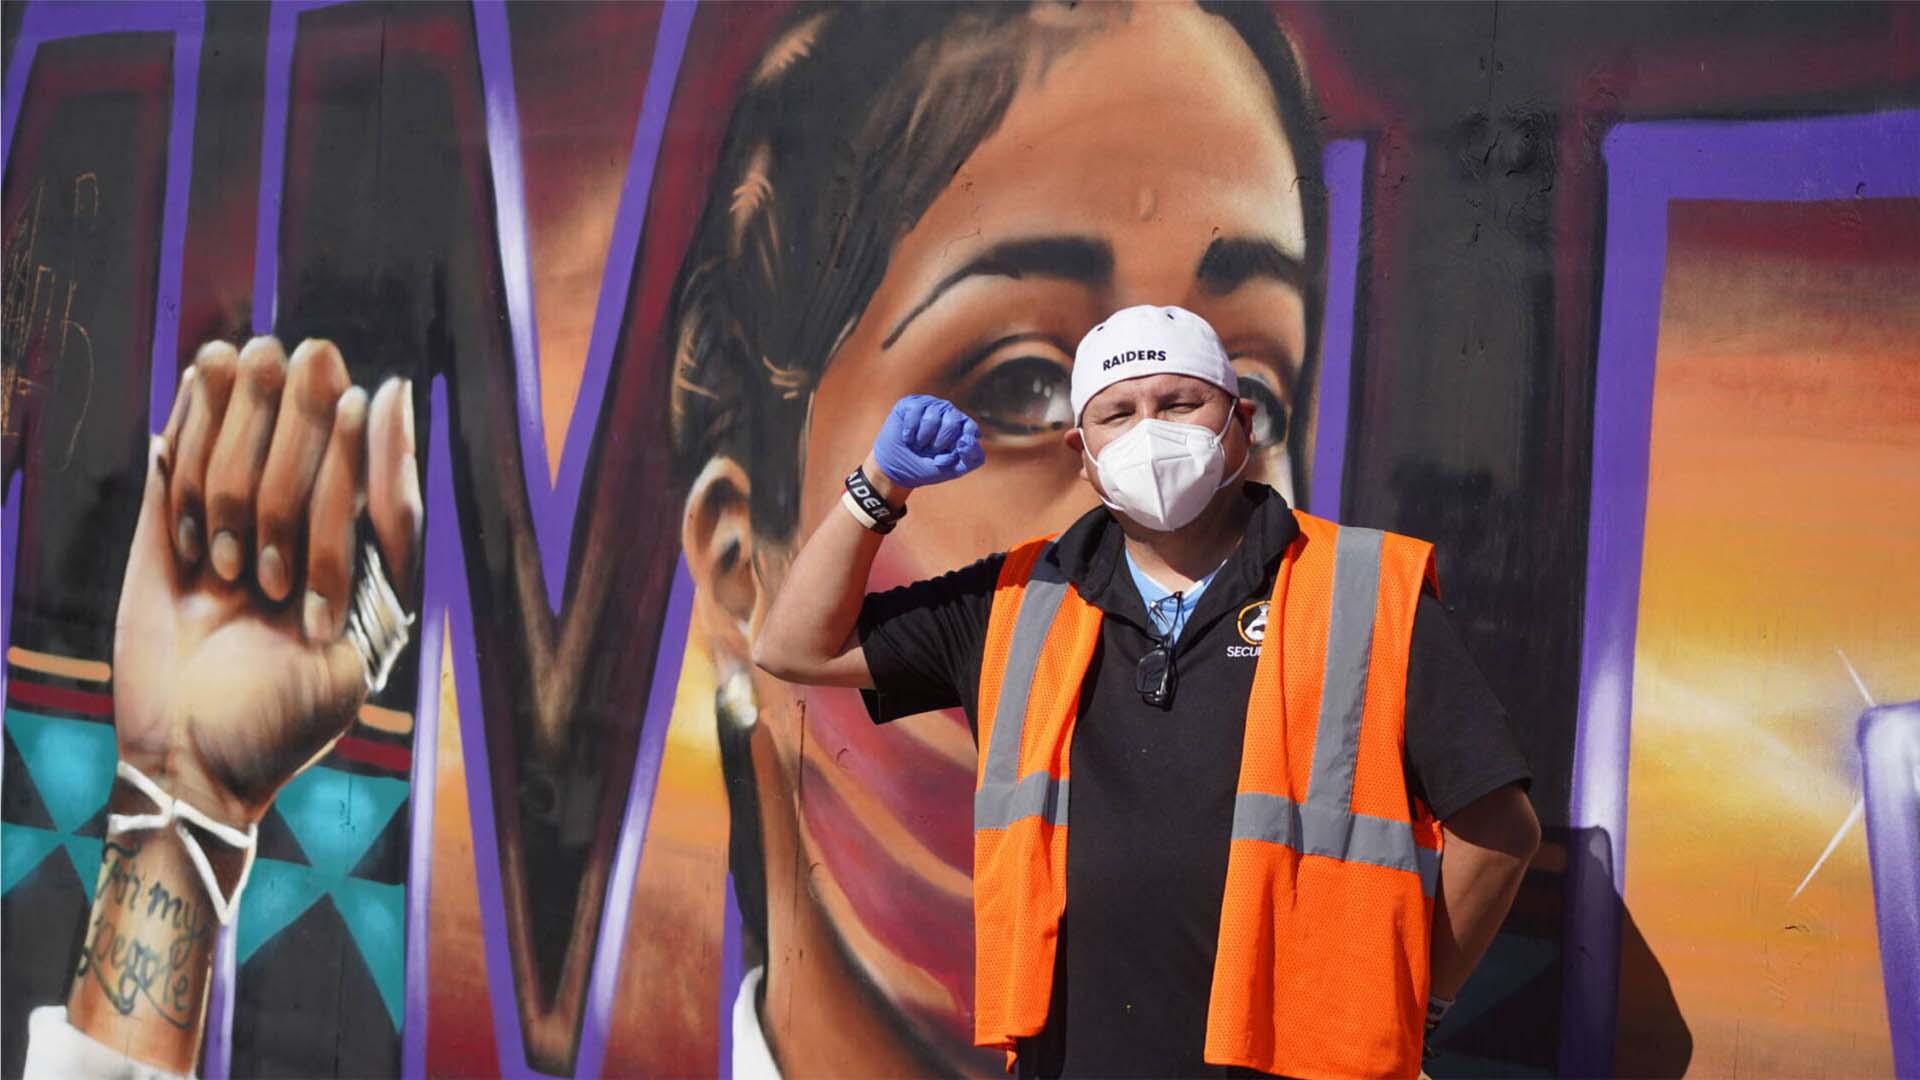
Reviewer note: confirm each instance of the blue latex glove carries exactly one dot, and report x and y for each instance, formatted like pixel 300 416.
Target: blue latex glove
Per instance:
pixel 927 440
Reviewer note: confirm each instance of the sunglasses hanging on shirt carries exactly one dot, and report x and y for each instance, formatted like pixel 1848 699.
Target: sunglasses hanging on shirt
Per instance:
pixel 1154 677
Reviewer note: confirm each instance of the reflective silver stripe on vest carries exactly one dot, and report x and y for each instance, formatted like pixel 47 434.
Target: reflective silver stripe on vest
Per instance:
pixel 1338 834
pixel 996 806
pixel 1326 825
pixel 1343 688
pixel 1004 796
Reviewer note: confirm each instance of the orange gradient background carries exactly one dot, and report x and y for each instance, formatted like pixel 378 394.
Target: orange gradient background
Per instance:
pixel 1783 501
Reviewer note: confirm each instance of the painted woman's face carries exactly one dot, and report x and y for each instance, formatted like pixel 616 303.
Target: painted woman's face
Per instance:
pixel 1146 165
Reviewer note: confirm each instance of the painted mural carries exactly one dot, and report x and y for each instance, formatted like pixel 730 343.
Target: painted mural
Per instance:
pixel 511 348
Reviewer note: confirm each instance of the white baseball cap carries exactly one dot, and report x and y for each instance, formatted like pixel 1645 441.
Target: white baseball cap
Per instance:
pixel 1147 340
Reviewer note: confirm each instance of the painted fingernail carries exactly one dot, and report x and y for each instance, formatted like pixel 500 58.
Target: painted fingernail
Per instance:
pixel 410 484
pixel 187 536
pixel 226 555
pixel 273 572
pixel 318 617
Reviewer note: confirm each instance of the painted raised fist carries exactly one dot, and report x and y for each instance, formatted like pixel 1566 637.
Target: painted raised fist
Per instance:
pixel 234 662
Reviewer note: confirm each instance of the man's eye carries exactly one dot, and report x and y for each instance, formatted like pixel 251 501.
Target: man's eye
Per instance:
pixel 1269 415
pixel 1027 395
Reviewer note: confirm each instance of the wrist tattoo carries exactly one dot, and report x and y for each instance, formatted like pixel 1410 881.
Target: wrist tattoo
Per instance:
pixel 146 942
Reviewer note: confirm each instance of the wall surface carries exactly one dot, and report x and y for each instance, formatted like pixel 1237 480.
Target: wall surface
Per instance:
pixel 1617 304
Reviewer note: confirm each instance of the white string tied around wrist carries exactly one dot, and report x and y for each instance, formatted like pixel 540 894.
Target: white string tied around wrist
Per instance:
pixel 179 813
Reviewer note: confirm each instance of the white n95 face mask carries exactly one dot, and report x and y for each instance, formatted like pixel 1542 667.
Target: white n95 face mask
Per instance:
pixel 1162 474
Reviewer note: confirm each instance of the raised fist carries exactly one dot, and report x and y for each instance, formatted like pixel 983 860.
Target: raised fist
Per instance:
pixel 927 440
pixel 232 667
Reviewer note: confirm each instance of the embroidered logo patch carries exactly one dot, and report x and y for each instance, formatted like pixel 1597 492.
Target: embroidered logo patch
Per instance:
pixel 1253 622
pixel 1252 625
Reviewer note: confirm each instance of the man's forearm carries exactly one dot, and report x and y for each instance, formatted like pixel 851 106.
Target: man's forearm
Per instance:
pixel 1488 847
pixel 140 987
pixel 810 624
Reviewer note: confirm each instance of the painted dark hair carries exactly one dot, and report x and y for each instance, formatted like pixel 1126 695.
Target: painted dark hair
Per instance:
pixel 856 119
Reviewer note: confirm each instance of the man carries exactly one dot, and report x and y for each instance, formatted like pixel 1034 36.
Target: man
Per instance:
pixel 1266 750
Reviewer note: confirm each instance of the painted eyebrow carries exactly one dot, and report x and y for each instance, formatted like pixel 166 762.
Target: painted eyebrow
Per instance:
pixel 1075 258
pixel 1231 262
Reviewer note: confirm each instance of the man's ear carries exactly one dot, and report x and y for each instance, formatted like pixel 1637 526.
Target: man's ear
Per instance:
pixel 716 536
pixel 1077 443
pixel 1243 410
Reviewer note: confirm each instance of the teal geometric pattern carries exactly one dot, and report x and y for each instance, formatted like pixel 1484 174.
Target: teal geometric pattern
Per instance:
pixel 338 815
pixel 335 817
pixel 71 763
pixel 21 849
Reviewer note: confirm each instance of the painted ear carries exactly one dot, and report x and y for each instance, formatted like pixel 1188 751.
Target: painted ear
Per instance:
pixel 716 536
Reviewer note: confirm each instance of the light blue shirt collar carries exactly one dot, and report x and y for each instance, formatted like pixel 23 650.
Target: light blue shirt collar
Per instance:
pixel 1168 618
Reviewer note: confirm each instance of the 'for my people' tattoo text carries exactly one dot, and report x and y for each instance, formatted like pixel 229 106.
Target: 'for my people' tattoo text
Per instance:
pixel 145 942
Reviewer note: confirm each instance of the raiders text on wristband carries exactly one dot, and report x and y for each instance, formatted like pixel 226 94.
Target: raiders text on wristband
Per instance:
pixel 873 511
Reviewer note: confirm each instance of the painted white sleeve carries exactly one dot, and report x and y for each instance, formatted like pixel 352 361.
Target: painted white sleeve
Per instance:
pixel 56 1050
pixel 752 1060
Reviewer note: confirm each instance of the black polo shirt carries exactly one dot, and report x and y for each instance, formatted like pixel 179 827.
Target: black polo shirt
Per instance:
pixel 1153 788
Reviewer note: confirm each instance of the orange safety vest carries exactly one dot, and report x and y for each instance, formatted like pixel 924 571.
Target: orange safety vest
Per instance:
pixel 1322 962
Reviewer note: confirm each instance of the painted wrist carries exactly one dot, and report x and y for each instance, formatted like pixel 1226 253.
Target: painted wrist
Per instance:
pixel 219 852
pixel 140 983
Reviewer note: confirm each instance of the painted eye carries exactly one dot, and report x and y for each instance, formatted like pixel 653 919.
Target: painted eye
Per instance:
pixel 1269 414
pixel 1026 395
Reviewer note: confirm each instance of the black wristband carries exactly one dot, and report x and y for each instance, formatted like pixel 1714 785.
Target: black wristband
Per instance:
pixel 884 514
